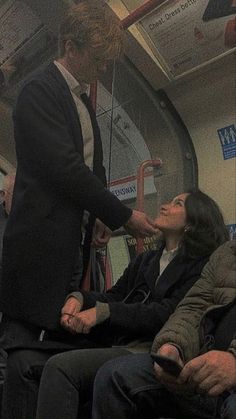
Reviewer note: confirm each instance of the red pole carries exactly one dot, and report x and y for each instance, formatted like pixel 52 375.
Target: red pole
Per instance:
pixel 140 12
pixel 140 190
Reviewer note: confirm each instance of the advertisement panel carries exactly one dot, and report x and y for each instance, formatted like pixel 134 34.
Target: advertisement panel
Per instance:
pixel 186 34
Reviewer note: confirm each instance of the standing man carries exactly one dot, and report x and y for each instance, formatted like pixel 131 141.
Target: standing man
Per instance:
pixel 59 176
pixel 5 207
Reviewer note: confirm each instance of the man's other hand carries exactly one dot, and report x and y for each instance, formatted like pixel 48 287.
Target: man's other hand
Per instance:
pixel 84 321
pixel 211 373
pixel 101 234
pixel 68 312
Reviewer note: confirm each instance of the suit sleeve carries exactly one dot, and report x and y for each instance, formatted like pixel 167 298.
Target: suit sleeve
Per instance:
pixel 48 153
pixel 119 291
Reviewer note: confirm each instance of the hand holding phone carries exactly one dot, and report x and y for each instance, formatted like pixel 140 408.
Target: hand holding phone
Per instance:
pixel 169 365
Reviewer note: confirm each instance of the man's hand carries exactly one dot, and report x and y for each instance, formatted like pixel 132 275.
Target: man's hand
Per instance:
pixel 101 234
pixel 82 322
pixel 139 225
pixel 172 383
pixel 211 373
pixel 71 307
pixel 171 352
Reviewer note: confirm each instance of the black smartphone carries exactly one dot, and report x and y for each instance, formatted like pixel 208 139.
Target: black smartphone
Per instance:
pixel 169 365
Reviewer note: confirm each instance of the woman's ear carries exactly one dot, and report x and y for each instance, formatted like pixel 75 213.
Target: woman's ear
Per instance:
pixel 70 48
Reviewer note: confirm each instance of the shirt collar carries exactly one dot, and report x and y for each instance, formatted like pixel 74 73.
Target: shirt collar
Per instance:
pixel 169 252
pixel 74 85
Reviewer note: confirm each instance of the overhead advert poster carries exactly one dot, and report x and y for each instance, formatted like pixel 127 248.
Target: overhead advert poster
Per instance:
pixel 189 33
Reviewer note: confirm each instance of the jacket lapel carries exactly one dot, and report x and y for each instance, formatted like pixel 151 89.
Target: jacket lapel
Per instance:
pixel 170 276
pixel 153 269
pixel 68 106
pixel 74 122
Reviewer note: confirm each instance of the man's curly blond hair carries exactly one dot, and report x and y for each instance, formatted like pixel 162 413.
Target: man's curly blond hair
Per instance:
pixel 91 26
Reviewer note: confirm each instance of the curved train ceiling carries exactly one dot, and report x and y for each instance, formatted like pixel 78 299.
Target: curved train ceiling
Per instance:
pixel 174 39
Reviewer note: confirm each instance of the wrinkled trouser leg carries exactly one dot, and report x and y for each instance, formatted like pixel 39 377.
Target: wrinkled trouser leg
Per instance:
pixel 67 382
pixel 3 363
pixel 126 388
pixel 20 389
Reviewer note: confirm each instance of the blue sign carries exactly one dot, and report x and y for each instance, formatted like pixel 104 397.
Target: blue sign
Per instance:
pixel 227 137
pixel 232 231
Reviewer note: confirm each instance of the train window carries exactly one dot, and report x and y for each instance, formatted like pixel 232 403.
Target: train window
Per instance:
pixel 139 124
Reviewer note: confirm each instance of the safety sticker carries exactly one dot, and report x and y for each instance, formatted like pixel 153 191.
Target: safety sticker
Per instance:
pixel 227 137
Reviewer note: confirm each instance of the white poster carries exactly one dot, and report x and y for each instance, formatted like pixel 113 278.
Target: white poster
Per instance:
pixel 189 33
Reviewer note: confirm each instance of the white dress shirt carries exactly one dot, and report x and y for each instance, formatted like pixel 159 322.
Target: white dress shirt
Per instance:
pixel 76 90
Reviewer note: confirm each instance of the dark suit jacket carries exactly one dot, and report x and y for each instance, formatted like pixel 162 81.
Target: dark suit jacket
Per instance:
pixel 3 221
pixel 53 186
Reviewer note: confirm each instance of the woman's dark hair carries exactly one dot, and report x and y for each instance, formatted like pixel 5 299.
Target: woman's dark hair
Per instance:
pixel 205 229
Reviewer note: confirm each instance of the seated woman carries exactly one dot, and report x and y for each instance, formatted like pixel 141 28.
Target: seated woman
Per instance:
pixel 128 316
pixel 200 336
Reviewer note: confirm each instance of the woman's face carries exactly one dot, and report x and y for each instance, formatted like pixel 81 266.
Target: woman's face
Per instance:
pixel 172 215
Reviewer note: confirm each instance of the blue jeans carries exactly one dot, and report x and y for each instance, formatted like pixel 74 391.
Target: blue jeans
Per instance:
pixel 228 408
pixel 126 388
